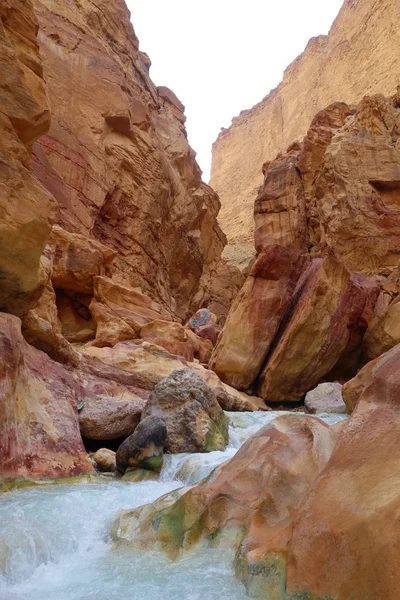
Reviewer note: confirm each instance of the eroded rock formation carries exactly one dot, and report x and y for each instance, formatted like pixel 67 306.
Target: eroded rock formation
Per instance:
pixel 39 427
pixel 27 210
pixel 348 524
pixel 358 57
pixel 118 162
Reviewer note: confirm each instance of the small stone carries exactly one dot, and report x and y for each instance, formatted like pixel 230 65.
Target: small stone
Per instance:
pixel 325 398
pixel 105 460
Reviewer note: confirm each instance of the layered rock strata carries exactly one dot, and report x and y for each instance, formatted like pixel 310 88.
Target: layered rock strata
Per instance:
pixel 27 210
pixel 358 57
pixel 118 162
pixel 39 427
pixel 337 192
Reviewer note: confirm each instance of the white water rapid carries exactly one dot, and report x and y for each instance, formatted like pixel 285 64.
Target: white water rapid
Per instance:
pixel 54 540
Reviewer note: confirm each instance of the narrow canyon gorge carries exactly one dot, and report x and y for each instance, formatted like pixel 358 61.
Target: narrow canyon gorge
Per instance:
pixel 198 383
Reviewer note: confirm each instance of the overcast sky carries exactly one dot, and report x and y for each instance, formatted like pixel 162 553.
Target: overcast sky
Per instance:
pixel 223 56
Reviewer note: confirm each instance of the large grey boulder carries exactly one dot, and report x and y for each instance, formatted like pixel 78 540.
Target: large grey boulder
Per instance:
pixel 195 421
pixel 325 398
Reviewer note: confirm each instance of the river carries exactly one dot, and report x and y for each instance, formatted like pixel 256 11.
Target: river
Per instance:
pixel 55 544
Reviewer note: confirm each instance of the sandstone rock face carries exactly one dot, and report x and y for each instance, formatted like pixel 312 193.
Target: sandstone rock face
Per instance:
pixel 333 67
pixel 121 311
pixel 108 418
pixel 195 421
pixel 383 332
pixel 285 210
pixel 39 429
pixel 255 316
pixel 143 366
pixel 325 398
pixel 349 523
pixel 119 165
pixel 177 340
pixel 294 322
pixel 248 503
pixel 327 305
pixel 144 448
pixel 27 210
pixel 337 192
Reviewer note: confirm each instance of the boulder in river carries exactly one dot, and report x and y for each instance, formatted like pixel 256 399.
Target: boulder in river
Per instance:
pixel 143 449
pixel 247 504
pixel 195 421
pixel 325 398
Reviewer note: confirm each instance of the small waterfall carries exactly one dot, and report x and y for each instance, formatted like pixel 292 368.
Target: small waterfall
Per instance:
pixel 54 540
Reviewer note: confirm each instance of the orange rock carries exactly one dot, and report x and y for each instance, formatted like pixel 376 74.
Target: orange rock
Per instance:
pixel 118 162
pixel 41 326
pixel 255 316
pixel 39 429
pixel 128 304
pixel 171 336
pixel 27 209
pixel 146 365
pixel 110 328
pixel 326 307
pixel 247 504
pixel 279 210
pixel 357 189
pixel 358 57
pixel 345 535
pixel 77 260
pixel 383 332
pixel 353 389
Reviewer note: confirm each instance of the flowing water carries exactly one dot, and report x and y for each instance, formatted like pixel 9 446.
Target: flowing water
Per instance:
pixel 55 545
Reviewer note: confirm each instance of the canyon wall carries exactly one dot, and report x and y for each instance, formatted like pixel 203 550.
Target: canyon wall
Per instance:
pixel 358 57
pixel 27 210
pixel 117 160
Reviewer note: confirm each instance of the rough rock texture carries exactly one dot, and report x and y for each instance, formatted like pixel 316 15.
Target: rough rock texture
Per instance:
pixel 108 418
pixel 118 162
pixel 177 340
pixel 248 503
pixel 345 541
pixel 383 332
pixel 27 210
pixel 337 192
pixel 39 428
pixel 325 398
pixel 327 309
pixel 353 389
pixel 358 57
pixel 194 419
pixel 204 324
pixel 256 314
pixel 121 311
pixel 145 365
pixel 144 449
pixel 105 460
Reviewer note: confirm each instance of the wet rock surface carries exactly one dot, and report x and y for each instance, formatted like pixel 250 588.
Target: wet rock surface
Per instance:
pixel 195 421
pixel 144 448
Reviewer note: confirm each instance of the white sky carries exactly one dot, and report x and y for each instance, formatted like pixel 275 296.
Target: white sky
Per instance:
pixel 223 56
